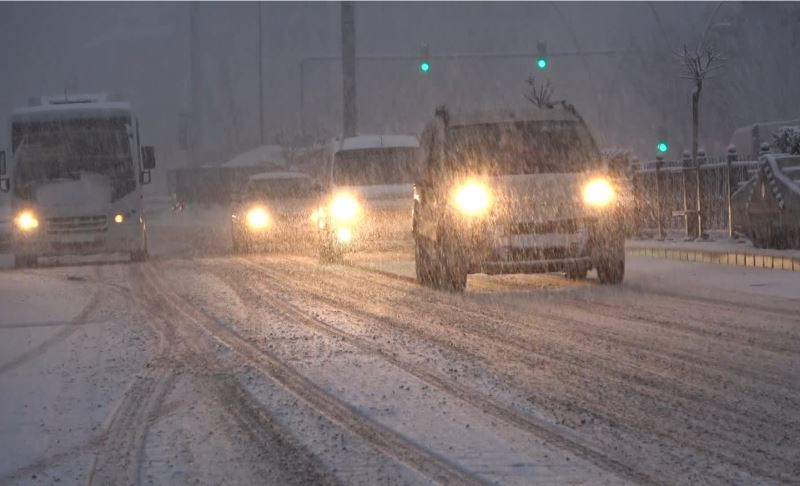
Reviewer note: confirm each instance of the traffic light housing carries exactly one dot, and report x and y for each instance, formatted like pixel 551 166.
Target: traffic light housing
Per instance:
pixel 542 61
pixel 424 60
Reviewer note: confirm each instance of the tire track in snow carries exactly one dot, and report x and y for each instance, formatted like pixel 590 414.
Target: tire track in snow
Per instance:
pixel 537 427
pixel 119 460
pixel 380 437
pixel 668 435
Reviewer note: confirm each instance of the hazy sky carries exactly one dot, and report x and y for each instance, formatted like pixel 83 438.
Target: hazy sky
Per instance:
pixel 140 51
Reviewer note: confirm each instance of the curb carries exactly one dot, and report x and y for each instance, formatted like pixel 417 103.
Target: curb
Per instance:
pixel 721 257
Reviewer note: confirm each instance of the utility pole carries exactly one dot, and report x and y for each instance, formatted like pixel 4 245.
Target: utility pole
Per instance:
pixel 348 26
pixel 195 72
pixel 260 80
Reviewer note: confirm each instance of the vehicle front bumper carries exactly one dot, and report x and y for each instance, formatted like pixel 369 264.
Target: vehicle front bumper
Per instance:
pixel 379 230
pixel 550 246
pixel 111 237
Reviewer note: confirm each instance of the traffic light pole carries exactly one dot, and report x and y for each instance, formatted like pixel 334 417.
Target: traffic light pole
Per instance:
pixel 446 57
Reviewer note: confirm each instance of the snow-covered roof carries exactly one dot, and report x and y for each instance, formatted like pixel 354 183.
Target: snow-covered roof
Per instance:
pixel 507 116
pixel 378 141
pixel 68 111
pixel 264 155
pixel 267 176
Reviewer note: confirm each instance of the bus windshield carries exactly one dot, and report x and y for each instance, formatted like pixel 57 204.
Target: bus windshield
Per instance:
pixel 517 148
pixel 46 151
pixel 370 167
pixel 52 150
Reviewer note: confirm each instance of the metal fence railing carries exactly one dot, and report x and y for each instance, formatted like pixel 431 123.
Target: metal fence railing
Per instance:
pixel 669 189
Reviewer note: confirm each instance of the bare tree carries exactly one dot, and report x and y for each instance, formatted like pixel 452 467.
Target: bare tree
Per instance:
pixel 539 95
pixel 698 65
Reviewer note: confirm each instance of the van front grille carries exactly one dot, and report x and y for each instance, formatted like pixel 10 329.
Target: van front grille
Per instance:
pixel 77 224
pixel 568 226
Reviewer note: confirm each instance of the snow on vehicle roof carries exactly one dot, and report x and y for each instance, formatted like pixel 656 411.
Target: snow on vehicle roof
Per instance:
pixel 378 141
pixel 71 111
pixel 266 154
pixel 267 176
pixel 556 113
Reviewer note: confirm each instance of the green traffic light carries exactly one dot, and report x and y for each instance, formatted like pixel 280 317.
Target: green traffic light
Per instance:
pixel 662 147
pixel 424 66
pixel 541 63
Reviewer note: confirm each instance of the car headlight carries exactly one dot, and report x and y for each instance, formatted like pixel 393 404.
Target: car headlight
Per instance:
pixel 598 193
pixel 258 218
pixel 345 208
pixel 344 235
pixel 472 198
pixel 26 221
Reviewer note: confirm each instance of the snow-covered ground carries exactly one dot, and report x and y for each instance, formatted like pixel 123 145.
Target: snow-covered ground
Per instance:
pixel 204 367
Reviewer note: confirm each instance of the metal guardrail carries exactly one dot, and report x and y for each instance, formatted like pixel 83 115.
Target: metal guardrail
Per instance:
pixel 665 192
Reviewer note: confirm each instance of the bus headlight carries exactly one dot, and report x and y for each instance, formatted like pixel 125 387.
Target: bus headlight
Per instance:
pixel 598 193
pixel 26 221
pixel 257 219
pixel 345 208
pixel 472 198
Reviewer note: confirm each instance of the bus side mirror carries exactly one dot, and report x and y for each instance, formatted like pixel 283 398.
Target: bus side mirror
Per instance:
pixel 148 157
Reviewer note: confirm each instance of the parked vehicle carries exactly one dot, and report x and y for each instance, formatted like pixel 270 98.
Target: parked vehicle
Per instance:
pixel 273 210
pixel 76 179
pixel 368 198
pixel 515 192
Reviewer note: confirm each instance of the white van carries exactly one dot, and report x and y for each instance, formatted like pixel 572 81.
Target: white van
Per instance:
pixel 368 194
pixel 515 192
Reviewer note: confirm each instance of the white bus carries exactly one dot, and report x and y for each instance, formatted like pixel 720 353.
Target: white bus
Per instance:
pixel 75 175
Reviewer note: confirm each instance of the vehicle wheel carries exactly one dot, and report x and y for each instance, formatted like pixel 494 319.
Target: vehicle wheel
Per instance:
pixel 611 270
pixel 240 245
pixel 328 252
pixel 140 255
pixel 452 265
pixel 577 273
pixel 423 265
pixel 25 261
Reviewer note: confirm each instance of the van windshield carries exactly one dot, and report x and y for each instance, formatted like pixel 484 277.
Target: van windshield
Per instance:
pixel 516 148
pixel 371 167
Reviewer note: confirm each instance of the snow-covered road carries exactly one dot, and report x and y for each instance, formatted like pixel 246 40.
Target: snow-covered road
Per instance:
pixel 273 369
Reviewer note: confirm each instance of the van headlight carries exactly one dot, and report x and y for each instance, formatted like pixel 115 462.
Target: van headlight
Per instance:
pixel 599 193
pixel 345 208
pixel 26 221
pixel 258 218
pixel 472 198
